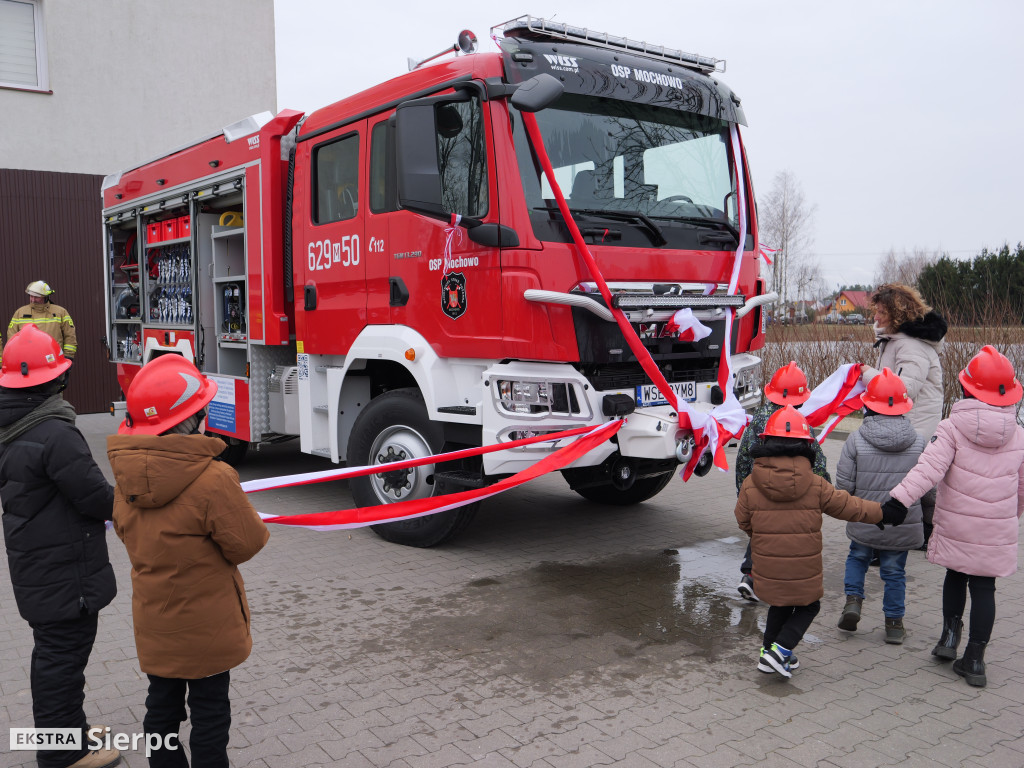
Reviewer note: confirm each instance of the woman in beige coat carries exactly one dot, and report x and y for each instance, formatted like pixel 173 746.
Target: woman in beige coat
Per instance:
pixel 909 337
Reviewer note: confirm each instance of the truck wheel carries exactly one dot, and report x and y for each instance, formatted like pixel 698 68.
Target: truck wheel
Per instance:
pixel 395 427
pixel 642 490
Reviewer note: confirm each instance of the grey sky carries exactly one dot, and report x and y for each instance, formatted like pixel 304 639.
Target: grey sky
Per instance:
pixel 900 120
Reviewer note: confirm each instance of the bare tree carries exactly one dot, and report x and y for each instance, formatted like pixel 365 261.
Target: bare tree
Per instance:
pixel 785 224
pixel 904 267
pixel 805 279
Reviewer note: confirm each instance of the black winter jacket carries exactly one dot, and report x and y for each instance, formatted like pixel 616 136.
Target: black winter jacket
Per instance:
pixel 55 500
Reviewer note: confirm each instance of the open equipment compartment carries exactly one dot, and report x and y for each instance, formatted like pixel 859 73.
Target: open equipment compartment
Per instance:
pixel 220 230
pixel 124 307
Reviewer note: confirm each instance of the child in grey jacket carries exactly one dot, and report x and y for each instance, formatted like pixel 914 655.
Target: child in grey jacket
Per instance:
pixel 874 460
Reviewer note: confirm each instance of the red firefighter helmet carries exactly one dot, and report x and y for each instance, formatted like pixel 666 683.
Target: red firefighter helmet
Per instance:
pixel 989 377
pixel 166 392
pixel 788 386
pixel 887 394
pixel 788 422
pixel 32 357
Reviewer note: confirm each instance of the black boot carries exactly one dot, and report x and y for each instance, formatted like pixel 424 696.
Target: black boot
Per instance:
pixel 972 666
pixel 946 647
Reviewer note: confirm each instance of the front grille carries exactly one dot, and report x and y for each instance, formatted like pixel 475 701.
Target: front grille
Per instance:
pixel 627 378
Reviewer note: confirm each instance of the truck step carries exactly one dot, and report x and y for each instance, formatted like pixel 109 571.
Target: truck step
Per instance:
pixel 321 408
pixel 457 480
pixel 459 410
pixel 325 452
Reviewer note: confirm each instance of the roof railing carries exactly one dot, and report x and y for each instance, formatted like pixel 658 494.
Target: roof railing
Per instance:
pixel 532 26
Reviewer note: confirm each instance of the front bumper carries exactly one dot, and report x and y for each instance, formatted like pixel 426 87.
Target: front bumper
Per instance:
pixel 651 432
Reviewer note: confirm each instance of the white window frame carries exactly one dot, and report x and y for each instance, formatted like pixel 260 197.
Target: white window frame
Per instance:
pixel 42 71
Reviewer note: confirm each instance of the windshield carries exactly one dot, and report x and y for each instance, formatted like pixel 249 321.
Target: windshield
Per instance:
pixel 645 165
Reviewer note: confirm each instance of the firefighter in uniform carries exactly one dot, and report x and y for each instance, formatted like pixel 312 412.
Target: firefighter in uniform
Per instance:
pixel 49 318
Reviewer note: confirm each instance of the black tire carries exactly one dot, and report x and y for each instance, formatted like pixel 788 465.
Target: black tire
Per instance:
pixel 394 426
pixel 642 490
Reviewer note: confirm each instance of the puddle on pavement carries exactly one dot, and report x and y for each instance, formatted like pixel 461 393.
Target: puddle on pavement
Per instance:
pixel 612 621
pixel 621 616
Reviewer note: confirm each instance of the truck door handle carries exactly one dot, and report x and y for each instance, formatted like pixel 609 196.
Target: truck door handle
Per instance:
pixel 399 294
pixel 309 297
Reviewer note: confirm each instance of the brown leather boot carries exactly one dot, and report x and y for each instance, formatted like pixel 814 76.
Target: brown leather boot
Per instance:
pixel 851 613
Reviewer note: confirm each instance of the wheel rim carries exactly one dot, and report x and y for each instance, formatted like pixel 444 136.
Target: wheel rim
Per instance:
pixel 400 443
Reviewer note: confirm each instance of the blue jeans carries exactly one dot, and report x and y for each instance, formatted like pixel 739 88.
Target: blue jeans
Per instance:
pixel 892 571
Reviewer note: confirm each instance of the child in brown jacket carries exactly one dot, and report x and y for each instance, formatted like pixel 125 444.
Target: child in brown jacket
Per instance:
pixel 186 524
pixel 780 507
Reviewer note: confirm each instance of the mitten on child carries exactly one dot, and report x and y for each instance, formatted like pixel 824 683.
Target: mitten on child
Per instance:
pixel 893 513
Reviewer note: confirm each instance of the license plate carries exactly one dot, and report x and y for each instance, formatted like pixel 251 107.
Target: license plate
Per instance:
pixel 648 394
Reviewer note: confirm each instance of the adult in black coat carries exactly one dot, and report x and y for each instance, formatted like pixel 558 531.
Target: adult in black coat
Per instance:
pixel 55 501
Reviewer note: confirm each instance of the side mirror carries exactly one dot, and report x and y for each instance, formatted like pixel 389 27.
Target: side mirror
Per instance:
pixel 537 93
pixel 417 125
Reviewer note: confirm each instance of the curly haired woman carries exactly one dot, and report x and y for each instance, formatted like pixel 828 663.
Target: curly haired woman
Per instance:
pixel 909 336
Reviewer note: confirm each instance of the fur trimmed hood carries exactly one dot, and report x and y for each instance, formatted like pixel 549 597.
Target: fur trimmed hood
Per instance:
pixel 931 327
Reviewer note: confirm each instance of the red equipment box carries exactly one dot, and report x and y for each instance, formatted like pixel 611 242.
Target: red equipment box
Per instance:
pixel 170 229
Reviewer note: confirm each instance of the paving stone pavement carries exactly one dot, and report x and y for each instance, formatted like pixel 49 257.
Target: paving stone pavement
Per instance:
pixel 556 633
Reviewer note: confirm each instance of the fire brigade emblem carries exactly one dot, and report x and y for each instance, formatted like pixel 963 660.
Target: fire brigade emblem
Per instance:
pixel 453 295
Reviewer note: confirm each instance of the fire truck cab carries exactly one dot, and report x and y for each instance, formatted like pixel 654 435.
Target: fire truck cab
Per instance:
pixel 390 277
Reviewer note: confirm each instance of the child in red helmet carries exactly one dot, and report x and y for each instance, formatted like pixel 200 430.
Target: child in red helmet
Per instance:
pixel 176 506
pixel 780 507
pixel 787 387
pixel 977 459
pixel 55 501
pixel 874 459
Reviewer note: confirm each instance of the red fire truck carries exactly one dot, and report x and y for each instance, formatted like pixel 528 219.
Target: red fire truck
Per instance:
pixel 389 277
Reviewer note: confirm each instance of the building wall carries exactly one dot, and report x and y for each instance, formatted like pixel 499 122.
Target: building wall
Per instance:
pixel 130 80
pixel 51 231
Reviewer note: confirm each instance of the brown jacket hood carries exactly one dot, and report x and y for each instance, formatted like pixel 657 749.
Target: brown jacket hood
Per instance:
pixel 782 478
pixel 153 470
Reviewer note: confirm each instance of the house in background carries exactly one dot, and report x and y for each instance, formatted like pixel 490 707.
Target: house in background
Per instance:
pixel 92 88
pixel 852 301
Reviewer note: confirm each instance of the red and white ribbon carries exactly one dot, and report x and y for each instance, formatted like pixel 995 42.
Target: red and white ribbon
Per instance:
pixel 686 327
pixel 450 233
pixel 835 398
pixel 406 510
pixel 308 478
pixel 714 430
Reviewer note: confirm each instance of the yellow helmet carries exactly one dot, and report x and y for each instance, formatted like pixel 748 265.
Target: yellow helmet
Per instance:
pixel 39 288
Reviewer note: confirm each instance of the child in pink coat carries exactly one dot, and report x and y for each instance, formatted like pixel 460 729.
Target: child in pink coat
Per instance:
pixel 977 460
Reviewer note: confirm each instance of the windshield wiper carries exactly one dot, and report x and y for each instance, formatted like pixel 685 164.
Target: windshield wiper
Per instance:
pixel 634 217
pixel 707 221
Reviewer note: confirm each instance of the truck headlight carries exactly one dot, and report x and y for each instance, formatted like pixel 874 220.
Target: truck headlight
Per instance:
pixel 748 379
pixel 536 396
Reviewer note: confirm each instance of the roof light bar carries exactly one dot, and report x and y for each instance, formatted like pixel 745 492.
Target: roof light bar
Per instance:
pixel 627 302
pixel 532 26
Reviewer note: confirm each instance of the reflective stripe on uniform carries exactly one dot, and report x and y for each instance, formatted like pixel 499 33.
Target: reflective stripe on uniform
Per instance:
pixel 38 320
